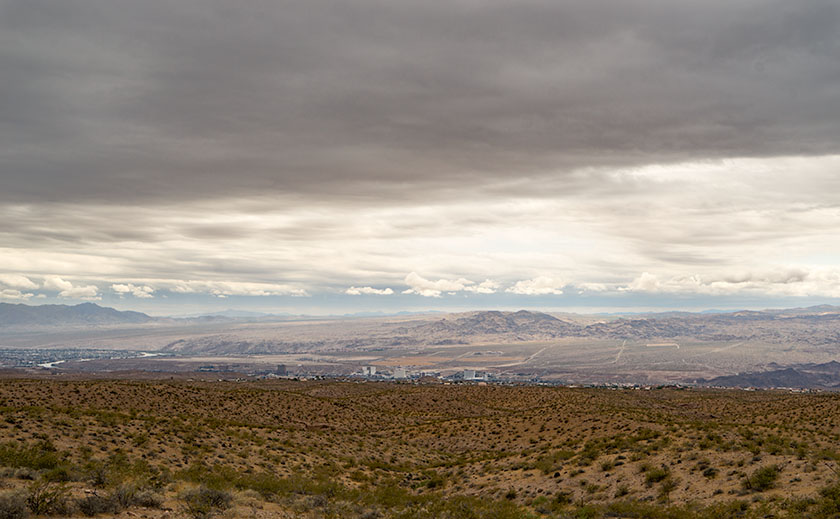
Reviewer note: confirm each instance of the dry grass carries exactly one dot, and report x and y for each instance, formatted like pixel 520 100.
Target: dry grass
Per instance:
pixel 330 449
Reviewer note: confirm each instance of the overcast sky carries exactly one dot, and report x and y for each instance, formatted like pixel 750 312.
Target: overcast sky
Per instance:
pixel 338 156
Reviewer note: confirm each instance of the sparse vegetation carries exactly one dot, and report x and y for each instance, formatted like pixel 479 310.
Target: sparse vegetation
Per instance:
pixel 381 451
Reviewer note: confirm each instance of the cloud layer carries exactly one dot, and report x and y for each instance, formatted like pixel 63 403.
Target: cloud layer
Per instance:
pixel 442 149
pixel 714 227
pixel 129 102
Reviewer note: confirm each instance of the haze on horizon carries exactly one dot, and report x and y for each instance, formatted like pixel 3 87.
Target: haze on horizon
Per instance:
pixel 317 156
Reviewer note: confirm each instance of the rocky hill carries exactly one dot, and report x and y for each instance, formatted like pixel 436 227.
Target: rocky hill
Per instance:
pixel 516 326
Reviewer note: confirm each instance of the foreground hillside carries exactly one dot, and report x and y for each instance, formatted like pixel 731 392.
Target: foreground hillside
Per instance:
pixel 374 450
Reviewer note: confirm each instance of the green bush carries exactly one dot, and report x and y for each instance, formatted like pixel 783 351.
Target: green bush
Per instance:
pixel 656 475
pixel 829 502
pixel 268 485
pixel 553 461
pixel 762 479
pixel 41 455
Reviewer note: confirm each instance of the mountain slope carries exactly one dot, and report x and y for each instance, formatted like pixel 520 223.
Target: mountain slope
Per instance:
pixel 63 315
pixel 518 326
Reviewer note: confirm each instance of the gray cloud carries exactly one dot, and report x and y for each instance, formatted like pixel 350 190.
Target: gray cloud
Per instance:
pixel 304 147
pixel 138 102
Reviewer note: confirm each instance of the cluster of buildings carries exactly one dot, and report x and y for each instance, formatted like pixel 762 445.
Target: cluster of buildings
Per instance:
pixel 471 374
pixel 397 373
pixel 401 373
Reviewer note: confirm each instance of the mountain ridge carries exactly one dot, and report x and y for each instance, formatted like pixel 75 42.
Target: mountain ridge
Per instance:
pixel 67 315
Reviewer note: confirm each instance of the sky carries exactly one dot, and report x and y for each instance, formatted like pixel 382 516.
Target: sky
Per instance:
pixel 334 157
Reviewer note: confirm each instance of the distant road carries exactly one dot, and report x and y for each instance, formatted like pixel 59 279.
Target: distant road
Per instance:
pixel 620 351
pixel 526 361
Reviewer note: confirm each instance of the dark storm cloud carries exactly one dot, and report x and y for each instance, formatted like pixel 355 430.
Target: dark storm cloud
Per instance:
pixel 161 101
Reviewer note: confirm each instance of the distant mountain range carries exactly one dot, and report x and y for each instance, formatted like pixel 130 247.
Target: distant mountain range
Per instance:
pixel 231 314
pixel 19 315
pixel 815 326
pixel 795 336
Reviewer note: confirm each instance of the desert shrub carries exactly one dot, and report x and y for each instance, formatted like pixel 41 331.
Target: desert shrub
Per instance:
pixel 563 498
pixel 829 502
pixel 40 455
pixel 391 495
pixel 710 473
pixel 119 468
pixel 317 501
pixel 552 461
pixel 655 475
pixel 96 473
pixel 711 440
pixel 93 505
pixel 542 505
pixel 546 505
pixel 267 485
pixel 148 498
pixel 588 512
pixel 608 465
pixel 203 502
pixel 125 495
pixel 218 476
pixel 591 451
pixel 466 507
pixel 762 479
pixel 318 483
pixel 432 480
pixel 634 509
pixel 48 499
pixel 643 510
pixel 730 510
pixel 60 474
pixel 13 506
pixel 591 488
pixel 370 514
pixel 669 484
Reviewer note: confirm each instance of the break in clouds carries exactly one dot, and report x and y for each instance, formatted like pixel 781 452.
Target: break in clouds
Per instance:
pixel 424 149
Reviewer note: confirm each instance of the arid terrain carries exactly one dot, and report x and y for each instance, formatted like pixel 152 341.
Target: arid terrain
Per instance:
pixel 774 348
pixel 316 449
